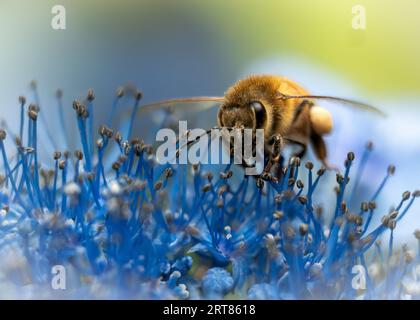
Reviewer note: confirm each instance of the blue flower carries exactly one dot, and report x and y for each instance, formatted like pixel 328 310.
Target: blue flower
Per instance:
pixel 216 282
pixel 263 291
pixel 125 226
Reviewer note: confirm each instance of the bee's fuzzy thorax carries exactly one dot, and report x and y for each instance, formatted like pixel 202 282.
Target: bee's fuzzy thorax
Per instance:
pixel 266 89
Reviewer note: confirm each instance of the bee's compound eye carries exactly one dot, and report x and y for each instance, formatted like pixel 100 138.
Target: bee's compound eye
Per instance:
pixel 260 113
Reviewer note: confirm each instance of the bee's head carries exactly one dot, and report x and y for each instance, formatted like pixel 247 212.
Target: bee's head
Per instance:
pixel 249 116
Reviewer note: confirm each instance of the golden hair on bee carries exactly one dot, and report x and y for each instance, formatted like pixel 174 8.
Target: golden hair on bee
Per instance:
pixel 284 109
pixel 265 89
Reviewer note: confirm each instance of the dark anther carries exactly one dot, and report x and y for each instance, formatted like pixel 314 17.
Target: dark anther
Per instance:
pixel 62 164
pixel 364 206
pixel 208 176
pixel 116 166
pixel 122 158
pixel 102 130
pixel 33 114
pixel 303 229
pixel 393 214
pixel 90 95
pixel 168 172
pixel 260 183
pixel 321 171
pixel 118 137
pixel 391 169
pixel 303 199
pixel 18 141
pixel 206 187
pixel 385 220
pixel 22 100
pixel 372 205
pixel 406 195
pixel 295 161
pixel 57 155
pixel 120 92
pixel 300 184
pixel 223 189
pixel 138 95
pixel 158 185
pixel 78 154
pixel 226 175
pixel 33 107
pixel 76 105
pixel 137 149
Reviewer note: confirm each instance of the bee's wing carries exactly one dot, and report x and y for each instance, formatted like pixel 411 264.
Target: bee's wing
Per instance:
pixel 349 102
pixel 199 112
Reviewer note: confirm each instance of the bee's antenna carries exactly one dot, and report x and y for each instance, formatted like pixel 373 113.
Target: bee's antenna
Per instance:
pixel 183 100
pixel 350 102
pixel 193 141
pixel 199 137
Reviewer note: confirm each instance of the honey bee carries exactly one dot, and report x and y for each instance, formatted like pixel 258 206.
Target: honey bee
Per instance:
pixel 284 109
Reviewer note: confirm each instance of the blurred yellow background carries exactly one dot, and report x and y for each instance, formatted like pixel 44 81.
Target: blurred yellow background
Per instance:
pixel 383 57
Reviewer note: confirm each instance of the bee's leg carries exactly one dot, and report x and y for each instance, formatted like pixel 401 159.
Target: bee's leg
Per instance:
pixel 274 156
pixel 278 144
pixel 320 149
pixel 265 175
pixel 302 152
